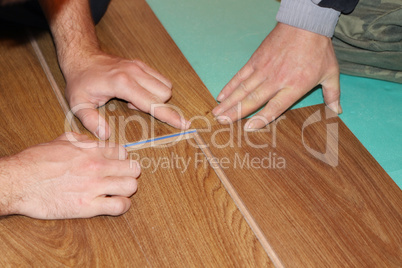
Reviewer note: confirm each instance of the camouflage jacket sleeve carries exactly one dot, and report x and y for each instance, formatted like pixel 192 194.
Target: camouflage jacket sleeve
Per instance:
pixel 306 14
pixel 344 6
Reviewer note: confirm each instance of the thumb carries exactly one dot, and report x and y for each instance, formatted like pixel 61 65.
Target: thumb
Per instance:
pixel 94 122
pixel 332 92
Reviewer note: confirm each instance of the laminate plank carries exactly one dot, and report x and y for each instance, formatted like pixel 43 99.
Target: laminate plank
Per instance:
pixel 101 241
pixel 344 211
pixel 30 114
pixel 130 30
pixel 183 216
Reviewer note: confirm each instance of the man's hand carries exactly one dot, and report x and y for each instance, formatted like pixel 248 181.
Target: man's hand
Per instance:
pixel 101 77
pixel 94 77
pixel 288 64
pixel 64 179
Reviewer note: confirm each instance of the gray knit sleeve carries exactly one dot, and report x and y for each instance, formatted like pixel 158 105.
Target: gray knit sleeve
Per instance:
pixel 307 15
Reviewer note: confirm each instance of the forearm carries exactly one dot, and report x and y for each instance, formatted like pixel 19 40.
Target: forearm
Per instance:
pixel 73 31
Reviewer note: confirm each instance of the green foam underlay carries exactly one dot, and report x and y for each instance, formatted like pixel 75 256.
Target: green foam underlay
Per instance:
pixel 218 37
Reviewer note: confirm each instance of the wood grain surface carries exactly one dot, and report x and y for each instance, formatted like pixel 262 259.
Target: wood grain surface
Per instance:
pixel 30 114
pixel 340 211
pixel 25 113
pixel 182 216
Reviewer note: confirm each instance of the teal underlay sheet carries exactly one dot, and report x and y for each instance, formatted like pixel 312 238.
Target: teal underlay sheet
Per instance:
pixel 218 37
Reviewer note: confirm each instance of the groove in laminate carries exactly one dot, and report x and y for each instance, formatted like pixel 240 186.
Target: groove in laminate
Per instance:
pixel 183 216
pixel 57 91
pixel 237 200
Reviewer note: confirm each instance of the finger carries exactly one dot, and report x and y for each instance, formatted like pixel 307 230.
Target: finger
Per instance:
pixel 234 83
pixel 153 105
pixel 250 103
pixel 121 168
pixel 331 91
pixel 120 186
pixel 114 206
pixel 114 151
pixel 153 85
pixel 170 116
pixel 95 123
pixel 154 73
pixel 244 88
pixel 274 108
pixel 131 106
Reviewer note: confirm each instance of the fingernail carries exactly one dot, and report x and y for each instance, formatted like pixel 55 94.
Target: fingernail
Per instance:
pixel 215 111
pixel 123 154
pixel 222 119
pixel 96 133
pixel 138 167
pixel 334 107
pixel 255 123
pixel 249 126
pixel 340 109
pixel 220 97
pixel 100 132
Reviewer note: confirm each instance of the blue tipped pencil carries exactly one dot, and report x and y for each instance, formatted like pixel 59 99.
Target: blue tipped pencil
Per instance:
pixel 134 144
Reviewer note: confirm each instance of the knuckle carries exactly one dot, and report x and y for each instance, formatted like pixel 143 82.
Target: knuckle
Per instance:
pixel 243 87
pixel 165 94
pixel 169 85
pixel 254 96
pixel 117 206
pixel 235 108
pixel 85 116
pixel 336 93
pixel 155 99
pixel 239 75
pixel 335 69
pixel 123 154
pixel 275 104
pixel 94 165
pixel 138 63
pixel 136 168
pixel 131 186
pixel 122 78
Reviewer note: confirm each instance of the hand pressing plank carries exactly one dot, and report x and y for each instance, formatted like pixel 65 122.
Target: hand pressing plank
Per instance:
pixel 70 177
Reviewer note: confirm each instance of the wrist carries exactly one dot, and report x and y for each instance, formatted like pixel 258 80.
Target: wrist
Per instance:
pixel 78 58
pixel 301 36
pixel 8 186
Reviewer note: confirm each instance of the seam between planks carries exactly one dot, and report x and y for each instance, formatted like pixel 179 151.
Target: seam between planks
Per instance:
pixel 192 134
pixel 238 201
pixel 56 90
